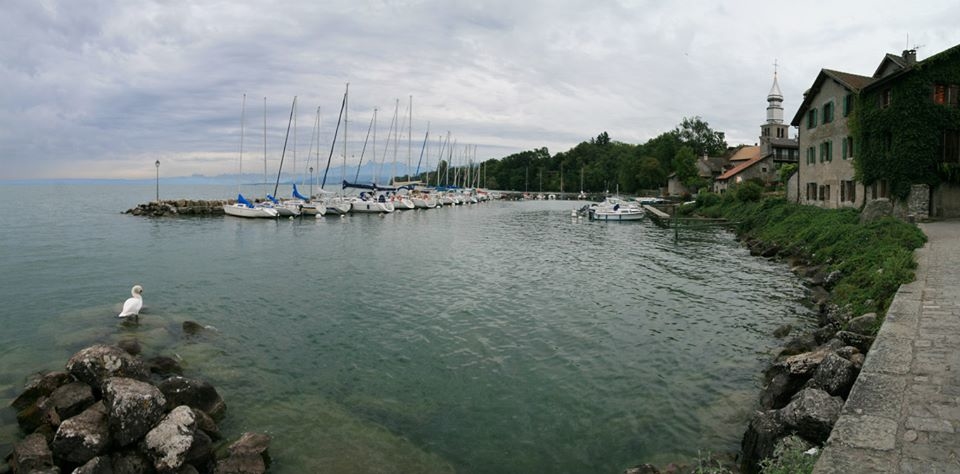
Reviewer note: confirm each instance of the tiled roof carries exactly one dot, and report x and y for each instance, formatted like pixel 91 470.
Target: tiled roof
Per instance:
pixel 745 153
pixel 740 167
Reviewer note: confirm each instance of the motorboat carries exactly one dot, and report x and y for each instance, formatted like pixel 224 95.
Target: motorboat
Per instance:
pixel 613 209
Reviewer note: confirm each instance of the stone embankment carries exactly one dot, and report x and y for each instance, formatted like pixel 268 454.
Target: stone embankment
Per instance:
pixel 111 411
pixel 180 207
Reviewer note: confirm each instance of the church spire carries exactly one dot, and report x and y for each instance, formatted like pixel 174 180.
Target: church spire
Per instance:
pixel 775 100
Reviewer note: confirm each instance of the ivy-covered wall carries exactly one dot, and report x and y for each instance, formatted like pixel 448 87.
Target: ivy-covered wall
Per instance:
pixel 901 143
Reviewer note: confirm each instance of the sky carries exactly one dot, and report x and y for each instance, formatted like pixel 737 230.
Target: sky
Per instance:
pixel 104 88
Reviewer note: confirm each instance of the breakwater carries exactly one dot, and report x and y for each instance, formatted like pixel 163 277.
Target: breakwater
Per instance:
pixel 180 207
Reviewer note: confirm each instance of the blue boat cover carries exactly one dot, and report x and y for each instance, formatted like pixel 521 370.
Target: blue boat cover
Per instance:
pixel 297 194
pixel 243 201
pixel 273 199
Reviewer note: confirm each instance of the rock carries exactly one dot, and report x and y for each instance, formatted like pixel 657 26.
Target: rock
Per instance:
pixel 192 328
pixel 194 393
pixel 83 437
pixel 164 366
pixel 824 334
pixel 32 454
pixel 847 352
pixel 875 209
pixel 248 455
pixel 835 375
pixel 782 331
pixel 131 462
pixel 857 360
pixel 95 364
pixel 770 251
pixel 799 344
pixel 833 315
pixel 132 346
pixel 865 324
pixel 97 465
pixel 71 399
pixel 819 295
pixel 761 436
pixel 169 442
pixel 40 386
pixel 201 451
pixel 785 377
pixel 134 407
pixel 39 414
pixel 206 423
pixel 860 341
pixel 642 469
pixel 784 447
pixel 811 414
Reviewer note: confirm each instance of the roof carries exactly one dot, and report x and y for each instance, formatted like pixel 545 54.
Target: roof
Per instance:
pixel 745 152
pixel 740 167
pixel 851 82
pixel 942 55
pixel 785 142
pixel 775 89
pixel 897 61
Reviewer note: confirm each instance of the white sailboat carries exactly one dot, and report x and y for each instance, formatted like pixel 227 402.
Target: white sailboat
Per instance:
pixel 243 208
pixel 336 204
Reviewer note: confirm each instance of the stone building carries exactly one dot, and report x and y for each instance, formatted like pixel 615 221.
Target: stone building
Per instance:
pixel 905 146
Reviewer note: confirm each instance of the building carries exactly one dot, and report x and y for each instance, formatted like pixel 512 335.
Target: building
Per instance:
pixel 762 162
pixel 906 143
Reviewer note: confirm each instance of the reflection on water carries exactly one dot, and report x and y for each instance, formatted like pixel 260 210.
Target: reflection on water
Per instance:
pixel 504 337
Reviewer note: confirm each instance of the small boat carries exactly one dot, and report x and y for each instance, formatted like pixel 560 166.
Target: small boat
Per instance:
pixel 612 209
pixel 243 208
pixel 371 204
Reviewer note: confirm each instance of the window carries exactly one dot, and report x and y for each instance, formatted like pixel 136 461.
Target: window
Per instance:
pixel 811 155
pixel 825 192
pixel 811 118
pixel 826 151
pixel 780 133
pixel 811 191
pixel 945 94
pixel 885 97
pixel 846 148
pixel 847 104
pixel 828 112
pixel 950 146
pixel 848 191
pixel 879 189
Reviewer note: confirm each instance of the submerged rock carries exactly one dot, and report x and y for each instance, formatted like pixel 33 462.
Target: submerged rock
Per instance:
pixel 248 455
pixel 194 393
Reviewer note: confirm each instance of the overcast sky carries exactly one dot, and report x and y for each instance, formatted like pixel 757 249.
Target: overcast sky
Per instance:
pixel 103 88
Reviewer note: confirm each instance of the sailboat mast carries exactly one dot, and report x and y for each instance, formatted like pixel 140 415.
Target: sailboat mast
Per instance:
pixel 333 143
pixel 422 149
pixel 284 152
pixel 410 138
pixel 363 150
pixel 243 108
pixel 265 143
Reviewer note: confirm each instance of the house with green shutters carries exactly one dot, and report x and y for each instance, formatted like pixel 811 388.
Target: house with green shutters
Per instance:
pixel 892 135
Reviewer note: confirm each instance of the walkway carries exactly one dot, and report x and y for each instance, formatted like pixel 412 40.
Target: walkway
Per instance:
pixel 903 414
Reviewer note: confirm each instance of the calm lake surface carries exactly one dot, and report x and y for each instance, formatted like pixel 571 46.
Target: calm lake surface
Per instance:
pixel 504 337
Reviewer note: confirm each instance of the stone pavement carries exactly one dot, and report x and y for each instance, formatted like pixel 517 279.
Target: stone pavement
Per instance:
pixel 903 414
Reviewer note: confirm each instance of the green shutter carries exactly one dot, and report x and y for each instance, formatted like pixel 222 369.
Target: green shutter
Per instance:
pixel 843 149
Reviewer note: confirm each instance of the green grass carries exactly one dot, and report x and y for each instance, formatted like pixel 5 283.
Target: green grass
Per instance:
pixel 873 259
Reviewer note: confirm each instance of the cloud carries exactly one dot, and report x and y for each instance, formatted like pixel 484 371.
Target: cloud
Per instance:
pixel 105 88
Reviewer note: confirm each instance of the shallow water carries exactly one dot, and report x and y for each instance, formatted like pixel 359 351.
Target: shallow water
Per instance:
pixel 501 337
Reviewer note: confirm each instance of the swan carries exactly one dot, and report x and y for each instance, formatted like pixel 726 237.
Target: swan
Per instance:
pixel 132 306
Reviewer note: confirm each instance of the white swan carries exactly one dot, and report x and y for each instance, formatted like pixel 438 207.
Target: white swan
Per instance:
pixel 132 306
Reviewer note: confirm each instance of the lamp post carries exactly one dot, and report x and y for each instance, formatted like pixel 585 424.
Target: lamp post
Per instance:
pixel 311 182
pixel 157 164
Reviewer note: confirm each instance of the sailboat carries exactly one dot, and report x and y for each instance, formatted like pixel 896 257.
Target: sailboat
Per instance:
pixel 372 200
pixel 243 208
pixel 336 205
pixel 285 209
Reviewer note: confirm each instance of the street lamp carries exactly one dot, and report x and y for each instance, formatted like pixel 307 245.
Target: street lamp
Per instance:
pixel 311 182
pixel 158 180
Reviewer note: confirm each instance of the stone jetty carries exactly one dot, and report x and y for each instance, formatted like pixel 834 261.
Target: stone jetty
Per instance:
pixel 180 207
pixel 113 412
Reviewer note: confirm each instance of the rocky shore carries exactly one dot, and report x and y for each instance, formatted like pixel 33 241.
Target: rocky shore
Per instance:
pixel 111 411
pixel 806 384
pixel 180 207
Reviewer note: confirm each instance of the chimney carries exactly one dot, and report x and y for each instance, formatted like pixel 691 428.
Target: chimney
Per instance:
pixel 910 57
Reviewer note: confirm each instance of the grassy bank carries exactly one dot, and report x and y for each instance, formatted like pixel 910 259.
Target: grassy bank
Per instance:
pixel 872 259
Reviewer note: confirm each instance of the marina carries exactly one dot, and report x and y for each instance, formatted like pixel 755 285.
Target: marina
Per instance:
pixel 476 338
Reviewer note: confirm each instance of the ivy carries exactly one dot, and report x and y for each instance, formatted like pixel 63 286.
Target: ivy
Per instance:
pixel 901 143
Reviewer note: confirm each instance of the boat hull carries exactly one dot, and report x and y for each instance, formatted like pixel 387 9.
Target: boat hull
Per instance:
pixel 618 215
pixel 239 210
pixel 371 207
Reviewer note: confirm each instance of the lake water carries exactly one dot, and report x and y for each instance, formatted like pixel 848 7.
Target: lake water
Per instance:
pixel 494 338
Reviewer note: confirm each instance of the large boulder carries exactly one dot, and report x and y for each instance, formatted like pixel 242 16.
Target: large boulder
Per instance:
pixel 193 393
pixel 835 375
pixel 71 399
pixel 134 407
pixel 83 437
pixel 38 415
pixel 41 385
pixel 784 378
pixel 875 209
pixel 169 442
pixel 860 341
pixel 248 455
pixel 812 414
pixel 32 454
pixel 759 440
pixel 97 363
pixel 863 324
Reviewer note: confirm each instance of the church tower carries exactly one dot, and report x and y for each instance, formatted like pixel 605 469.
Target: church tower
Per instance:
pixel 774 128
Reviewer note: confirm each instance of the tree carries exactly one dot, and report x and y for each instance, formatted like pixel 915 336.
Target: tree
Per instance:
pixel 685 165
pixel 697 134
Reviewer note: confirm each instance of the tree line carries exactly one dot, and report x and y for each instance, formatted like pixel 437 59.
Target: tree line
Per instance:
pixel 606 165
